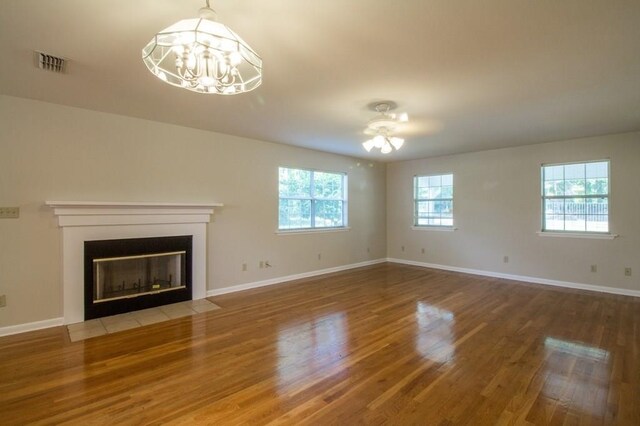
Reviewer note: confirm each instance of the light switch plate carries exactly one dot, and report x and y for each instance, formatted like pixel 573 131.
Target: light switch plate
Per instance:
pixel 9 212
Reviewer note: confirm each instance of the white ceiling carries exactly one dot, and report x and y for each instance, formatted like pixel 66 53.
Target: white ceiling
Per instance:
pixel 472 75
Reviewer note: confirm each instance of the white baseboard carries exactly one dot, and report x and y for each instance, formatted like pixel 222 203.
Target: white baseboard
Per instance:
pixel 30 326
pixel 535 280
pixel 278 280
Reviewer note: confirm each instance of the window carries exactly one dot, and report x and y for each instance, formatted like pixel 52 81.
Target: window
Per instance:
pixel 311 199
pixel 433 200
pixel 575 197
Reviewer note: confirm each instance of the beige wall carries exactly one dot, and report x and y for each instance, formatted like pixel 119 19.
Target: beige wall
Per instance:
pixel 51 152
pixel 497 210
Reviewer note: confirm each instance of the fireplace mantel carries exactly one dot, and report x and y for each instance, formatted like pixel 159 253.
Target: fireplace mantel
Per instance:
pixel 103 220
pixel 91 213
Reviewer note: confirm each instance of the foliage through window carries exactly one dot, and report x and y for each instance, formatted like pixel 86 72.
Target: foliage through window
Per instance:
pixel 433 200
pixel 311 199
pixel 575 197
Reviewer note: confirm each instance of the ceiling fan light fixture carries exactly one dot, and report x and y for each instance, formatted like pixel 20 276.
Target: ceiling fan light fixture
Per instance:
pixel 379 141
pixel 368 145
pixel 381 126
pixel 396 142
pixel 204 56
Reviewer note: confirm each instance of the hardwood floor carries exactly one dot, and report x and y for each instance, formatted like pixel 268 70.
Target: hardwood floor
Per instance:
pixel 386 344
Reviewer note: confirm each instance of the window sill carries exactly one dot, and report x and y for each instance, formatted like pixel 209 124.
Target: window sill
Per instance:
pixel 591 235
pixel 311 230
pixel 434 228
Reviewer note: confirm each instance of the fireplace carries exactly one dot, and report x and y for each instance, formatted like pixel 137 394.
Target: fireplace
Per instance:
pixel 136 273
pixel 91 221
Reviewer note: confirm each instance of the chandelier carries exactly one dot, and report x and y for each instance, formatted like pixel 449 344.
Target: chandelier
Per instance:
pixel 203 56
pixel 381 127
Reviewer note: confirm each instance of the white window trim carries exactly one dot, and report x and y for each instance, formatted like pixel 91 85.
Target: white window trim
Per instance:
pixel 576 234
pixel 298 231
pixel 434 228
pixel 570 234
pixel 344 200
pixel 416 200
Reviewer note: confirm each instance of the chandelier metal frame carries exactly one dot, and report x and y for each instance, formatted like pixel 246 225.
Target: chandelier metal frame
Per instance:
pixel 204 56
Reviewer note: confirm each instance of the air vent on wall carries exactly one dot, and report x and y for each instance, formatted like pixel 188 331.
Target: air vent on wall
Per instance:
pixel 51 63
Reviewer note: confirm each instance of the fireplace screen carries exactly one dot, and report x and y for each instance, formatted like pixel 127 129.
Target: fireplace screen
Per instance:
pixel 132 276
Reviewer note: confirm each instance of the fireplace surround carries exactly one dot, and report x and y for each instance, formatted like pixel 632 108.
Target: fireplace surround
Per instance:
pixel 86 221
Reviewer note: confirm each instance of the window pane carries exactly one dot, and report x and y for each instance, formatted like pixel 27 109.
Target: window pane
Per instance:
pixel 575 206
pixel 423 181
pixel 327 185
pixel 294 214
pixel 328 213
pixel 574 187
pixel 554 207
pixel 553 173
pixel 574 171
pixel 435 180
pixel 447 192
pixel 447 221
pixel 597 206
pixel 294 183
pixel 422 207
pixel 444 207
pixel 447 180
pixel 597 170
pixel 575 222
pixel 597 186
pixel 423 192
pixel 597 223
pixel 554 222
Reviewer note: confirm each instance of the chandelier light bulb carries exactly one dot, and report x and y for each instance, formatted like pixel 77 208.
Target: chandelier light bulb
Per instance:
pixel 203 56
pixel 386 148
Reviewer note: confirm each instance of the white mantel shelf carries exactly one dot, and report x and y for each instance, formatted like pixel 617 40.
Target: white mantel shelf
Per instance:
pixel 105 213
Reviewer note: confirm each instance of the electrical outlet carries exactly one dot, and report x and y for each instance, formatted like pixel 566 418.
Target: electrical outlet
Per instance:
pixel 402 248
pixel 594 268
pixel 3 301
pixel 319 256
pixel 422 251
pixel 9 212
pixel 368 250
pixel 505 259
pixel 261 264
pixel 627 272
pixel 244 266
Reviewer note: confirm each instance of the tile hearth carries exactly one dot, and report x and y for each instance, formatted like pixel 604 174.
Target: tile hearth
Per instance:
pixel 101 326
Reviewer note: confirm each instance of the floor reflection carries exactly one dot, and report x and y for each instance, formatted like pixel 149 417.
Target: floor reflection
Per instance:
pixel 435 337
pixel 308 348
pixel 577 374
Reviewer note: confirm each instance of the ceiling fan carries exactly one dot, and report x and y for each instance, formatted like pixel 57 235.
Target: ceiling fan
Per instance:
pixel 382 126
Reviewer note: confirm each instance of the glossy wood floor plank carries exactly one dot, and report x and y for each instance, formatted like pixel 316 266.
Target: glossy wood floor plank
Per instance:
pixel 386 344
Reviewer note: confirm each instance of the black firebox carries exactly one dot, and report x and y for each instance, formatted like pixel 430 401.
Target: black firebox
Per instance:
pixel 139 273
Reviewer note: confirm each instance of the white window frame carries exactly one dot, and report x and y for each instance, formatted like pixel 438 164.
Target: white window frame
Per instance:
pixel 313 200
pixel 575 233
pixel 416 200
